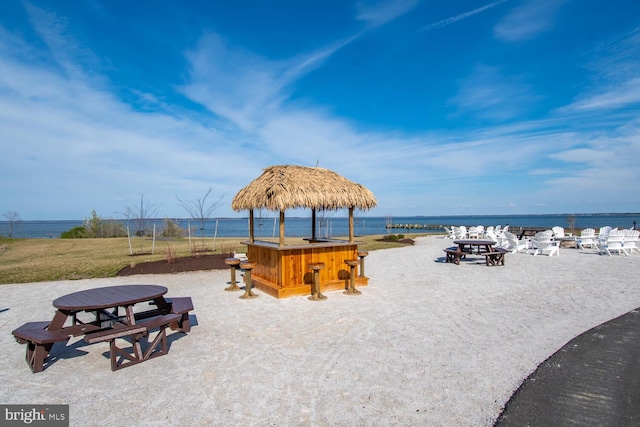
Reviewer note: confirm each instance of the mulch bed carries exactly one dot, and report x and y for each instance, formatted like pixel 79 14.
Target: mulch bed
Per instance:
pixel 403 241
pixel 181 265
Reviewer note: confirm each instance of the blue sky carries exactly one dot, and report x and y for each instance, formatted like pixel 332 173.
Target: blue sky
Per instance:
pixel 438 107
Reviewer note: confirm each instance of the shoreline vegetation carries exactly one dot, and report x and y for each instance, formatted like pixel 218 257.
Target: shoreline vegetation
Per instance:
pixel 43 260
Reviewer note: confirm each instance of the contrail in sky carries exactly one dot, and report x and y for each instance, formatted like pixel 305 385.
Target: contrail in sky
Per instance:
pixel 457 18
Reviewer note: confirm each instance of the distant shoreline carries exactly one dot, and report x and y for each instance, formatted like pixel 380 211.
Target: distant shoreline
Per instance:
pixel 345 217
pixel 332 226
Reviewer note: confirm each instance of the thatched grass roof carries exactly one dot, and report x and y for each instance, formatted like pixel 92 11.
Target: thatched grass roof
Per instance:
pixel 286 187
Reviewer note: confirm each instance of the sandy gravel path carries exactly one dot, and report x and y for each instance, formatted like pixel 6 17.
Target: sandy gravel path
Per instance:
pixel 427 343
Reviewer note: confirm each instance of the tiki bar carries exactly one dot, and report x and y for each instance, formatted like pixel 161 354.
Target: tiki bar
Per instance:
pixel 316 265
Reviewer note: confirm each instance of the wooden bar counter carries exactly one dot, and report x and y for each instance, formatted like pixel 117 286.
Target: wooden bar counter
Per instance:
pixel 283 271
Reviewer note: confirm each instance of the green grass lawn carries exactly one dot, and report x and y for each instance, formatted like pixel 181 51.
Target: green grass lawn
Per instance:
pixel 40 260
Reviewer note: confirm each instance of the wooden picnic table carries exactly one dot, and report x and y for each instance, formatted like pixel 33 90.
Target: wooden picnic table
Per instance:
pixel 95 314
pixel 486 244
pixel 100 300
pixel 484 247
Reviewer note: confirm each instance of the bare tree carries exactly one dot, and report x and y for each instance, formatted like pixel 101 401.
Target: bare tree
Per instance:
pixel 12 218
pixel 140 216
pixel 259 216
pixel 200 210
pixel 571 220
pixel 323 218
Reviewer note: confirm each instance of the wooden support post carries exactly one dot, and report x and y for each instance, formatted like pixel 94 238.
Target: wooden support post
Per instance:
pixel 313 224
pixel 281 239
pixel 252 236
pixel 351 231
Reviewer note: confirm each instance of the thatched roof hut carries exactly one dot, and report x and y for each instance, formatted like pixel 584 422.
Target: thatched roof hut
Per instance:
pixel 288 187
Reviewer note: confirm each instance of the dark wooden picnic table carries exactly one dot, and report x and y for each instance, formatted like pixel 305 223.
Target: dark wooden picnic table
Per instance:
pixel 95 313
pixel 492 256
pixel 486 244
pixel 99 300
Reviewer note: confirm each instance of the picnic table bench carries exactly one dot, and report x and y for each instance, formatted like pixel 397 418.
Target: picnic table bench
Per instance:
pixel 181 306
pixel 39 342
pixel 454 254
pixel 496 257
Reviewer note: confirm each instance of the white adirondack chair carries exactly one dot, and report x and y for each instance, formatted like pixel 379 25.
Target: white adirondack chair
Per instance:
pixel 473 233
pixel 462 232
pixel 602 234
pixel 489 234
pixel 514 245
pixel 558 231
pixel 587 239
pixel 604 231
pixel 631 238
pixel 542 243
pixel 614 242
pixel 451 234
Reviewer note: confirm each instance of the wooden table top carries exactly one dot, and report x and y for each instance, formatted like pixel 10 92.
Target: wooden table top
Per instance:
pixel 111 296
pixel 478 242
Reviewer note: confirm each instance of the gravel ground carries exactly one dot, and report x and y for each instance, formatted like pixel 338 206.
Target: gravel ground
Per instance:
pixel 427 343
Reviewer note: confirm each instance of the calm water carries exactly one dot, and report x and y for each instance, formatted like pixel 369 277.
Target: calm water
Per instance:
pixel 339 226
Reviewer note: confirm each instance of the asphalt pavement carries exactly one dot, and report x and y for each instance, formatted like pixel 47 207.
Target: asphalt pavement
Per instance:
pixel 594 380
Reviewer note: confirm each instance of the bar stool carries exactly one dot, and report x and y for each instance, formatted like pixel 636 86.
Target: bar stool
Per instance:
pixel 247 267
pixel 352 263
pixel 362 254
pixel 316 295
pixel 233 263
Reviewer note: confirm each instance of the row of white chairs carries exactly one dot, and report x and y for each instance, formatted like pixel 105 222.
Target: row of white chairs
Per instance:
pixel 621 241
pixel 606 240
pixel 476 232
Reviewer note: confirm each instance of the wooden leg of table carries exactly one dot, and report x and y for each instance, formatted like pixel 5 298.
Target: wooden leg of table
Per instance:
pixel 58 321
pixel 36 355
pixel 113 352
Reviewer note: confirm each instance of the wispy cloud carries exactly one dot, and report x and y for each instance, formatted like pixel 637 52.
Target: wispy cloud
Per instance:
pixel 382 12
pixel 528 20
pixel 488 94
pixel 615 69
pixel 456 18
pixel 64 50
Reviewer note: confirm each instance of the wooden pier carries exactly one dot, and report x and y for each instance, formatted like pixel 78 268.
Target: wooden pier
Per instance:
pixel 415 226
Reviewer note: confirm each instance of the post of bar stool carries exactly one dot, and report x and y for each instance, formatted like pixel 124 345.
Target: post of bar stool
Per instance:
pixel 352 263
pixel 248 292
pixel 233 263
pixel 316 295
pixel 362 254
